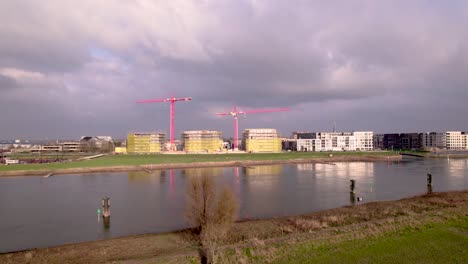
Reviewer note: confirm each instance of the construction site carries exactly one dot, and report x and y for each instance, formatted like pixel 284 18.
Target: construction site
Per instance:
pixel 261 140
pixel 145 142
pixel 202 141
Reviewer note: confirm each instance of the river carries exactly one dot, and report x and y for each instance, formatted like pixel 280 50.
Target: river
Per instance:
pixel 43 212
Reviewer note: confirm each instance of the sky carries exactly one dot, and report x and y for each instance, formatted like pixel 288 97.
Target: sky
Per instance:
pixel 75 68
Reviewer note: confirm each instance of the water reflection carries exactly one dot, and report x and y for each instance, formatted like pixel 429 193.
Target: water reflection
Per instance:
pixel 145 177
pixel 263 170
pixel 106 223
pixel 155 202
pixel 335 177
pixel 306 167
pixel 194 172
pixel 354 170
pixel 457 167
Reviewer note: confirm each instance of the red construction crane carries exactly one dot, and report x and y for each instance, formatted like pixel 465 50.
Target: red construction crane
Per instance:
pixel 235 113
pixel 172 101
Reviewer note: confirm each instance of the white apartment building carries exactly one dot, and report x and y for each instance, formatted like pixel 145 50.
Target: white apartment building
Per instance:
pixel 364 140
pixel 334 141
pixel 465 140
pixel 309 145
pixel 456 140
pixel 337 141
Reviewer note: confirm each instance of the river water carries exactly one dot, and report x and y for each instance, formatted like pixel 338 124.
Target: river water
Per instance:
pixel 42 212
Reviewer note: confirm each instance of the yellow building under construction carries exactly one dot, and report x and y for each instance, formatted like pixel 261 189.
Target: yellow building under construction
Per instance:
pixel 202 141
pixel 145 142
pixel 261 140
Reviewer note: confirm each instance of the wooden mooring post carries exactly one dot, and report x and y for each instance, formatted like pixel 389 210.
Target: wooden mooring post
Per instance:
pixel 429 183
pixel 106 207
pixel 352 195
pixel 106 212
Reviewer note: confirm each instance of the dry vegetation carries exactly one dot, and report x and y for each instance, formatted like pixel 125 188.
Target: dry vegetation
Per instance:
pixel 211 215
pixel 261 240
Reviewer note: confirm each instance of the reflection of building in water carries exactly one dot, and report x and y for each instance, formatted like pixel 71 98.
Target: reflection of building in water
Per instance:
pixel 142 176
pixel 457 167
pixel 263 170
pixel 345 169
pixel 213 171
pixel 340 169
pixel 306 167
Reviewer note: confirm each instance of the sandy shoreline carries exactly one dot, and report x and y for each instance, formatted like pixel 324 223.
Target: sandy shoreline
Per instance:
pixel 150 167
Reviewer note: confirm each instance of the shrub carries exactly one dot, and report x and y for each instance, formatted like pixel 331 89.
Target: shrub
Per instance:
pixel 211 215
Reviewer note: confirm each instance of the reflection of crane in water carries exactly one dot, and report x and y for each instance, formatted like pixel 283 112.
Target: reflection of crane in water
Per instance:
pixel 172 181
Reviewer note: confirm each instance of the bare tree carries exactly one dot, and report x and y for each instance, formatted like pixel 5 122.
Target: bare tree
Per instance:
pixel 212 215
pixel 201 195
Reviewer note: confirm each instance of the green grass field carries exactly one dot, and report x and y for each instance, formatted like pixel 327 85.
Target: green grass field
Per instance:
pixel 134 160
pixel 434 243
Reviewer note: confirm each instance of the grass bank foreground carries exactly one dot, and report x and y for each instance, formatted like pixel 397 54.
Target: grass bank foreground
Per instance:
pixel 174 161
pixel 424 229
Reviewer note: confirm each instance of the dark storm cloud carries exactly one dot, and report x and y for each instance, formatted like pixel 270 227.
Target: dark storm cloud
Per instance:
pixel 375 65
pixel 38 37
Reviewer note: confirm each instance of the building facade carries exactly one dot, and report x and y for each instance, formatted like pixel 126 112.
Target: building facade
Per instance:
pixel 411 141
pixel 434 140
pixel 337 141
pixel 455 140
pixel 141 143
pixel 289 144
pixel 309 145
pixel 71 146
pixel 202 141
pixel 261 140
pixel 304 135
pixel 378 141
pixel 364 140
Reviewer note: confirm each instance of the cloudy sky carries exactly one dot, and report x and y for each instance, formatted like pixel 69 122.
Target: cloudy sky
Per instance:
pixel 73 68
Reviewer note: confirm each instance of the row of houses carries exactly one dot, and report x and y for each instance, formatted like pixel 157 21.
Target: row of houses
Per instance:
pixel 449 140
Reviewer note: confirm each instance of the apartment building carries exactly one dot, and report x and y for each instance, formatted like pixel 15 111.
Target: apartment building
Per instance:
pixel 337 141
pixel 150 142
pixel 364 140
pixel 433 140
pixel 261 140
pixel 455 140
pixel 202 141
pixel 378 141
pixel 309 145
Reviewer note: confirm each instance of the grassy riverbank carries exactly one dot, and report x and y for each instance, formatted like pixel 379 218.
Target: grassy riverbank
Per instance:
pixel 123 162
pixel 445 242
pixel 424 229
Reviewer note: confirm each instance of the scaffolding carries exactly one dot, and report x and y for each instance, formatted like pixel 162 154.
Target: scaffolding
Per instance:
pixel 145 142
pixel 261 140
pixel 206 141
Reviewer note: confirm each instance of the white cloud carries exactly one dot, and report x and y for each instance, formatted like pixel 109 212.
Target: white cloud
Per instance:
pixel 22 75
